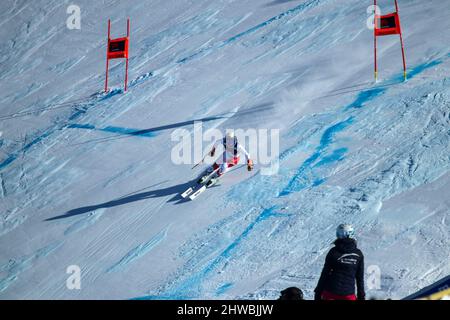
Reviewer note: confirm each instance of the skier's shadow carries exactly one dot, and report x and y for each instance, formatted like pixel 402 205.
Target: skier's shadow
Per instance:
pixel 134 197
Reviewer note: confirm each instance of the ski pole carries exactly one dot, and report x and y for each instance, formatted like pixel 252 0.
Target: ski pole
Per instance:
pixel 199 162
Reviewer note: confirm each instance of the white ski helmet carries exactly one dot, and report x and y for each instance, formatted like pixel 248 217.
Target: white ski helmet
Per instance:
pixel 230 139
pixel 230 135
pixel 344 231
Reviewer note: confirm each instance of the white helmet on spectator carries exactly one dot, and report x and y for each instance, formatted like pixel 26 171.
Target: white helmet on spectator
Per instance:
pixel 344 231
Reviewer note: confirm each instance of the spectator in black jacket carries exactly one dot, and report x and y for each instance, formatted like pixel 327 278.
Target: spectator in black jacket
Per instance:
pixel 292 293
pixel 344 265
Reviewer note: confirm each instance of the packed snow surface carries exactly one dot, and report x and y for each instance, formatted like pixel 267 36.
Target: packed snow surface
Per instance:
pixel 87 178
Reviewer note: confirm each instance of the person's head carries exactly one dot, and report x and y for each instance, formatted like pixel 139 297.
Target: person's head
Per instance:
pixel 345 231
pixel 291 293
pixel 230 140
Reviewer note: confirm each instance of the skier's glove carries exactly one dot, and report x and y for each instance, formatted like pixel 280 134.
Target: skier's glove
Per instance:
pixel 250 165
pixel 213 151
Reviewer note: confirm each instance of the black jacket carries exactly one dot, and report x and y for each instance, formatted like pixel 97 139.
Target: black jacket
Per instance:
pixel 343 265
pixel 292 293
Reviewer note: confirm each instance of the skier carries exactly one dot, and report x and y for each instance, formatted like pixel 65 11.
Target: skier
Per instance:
pixel 230 156
pixel 343 265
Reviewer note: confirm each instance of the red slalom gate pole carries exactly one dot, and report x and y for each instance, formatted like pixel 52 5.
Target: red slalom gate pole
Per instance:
pixel 401 41
pixel 126 67
pixel 404 59
pixel 117 49
pixel 375 40
pixel 107 58
pixel 126 76
pixel 106 79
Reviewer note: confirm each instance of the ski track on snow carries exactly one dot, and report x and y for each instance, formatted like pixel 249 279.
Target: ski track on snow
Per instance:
pixel 139 251
pixel 14 267
pixel 191 287
pixel 99 99
pixel 233 244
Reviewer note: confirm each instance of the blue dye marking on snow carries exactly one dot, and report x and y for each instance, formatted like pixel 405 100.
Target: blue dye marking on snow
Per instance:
pixel 193 283
pixel 330 133
pixel 27 147
pixel 98 98
pixel 12 269
pixel 366 96
pixel 336 156
pixel 110 94
pixel 76 114
pixel 318 182
pixel 422 67
pixel 13 156
pixel 81 126
pixel 293 11
pixel 138 80
pixel 224 288
pixel 8 161
pixel 300 179
pixel 139 251
pixel 264 215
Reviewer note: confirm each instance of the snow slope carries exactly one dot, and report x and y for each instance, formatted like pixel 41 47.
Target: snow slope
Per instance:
pixel 86 177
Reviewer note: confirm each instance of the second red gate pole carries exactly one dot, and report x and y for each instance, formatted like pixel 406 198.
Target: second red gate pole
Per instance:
pixel 117 49
pixel 401 41
pixel 126 67
pixel 375 39
pixel 107 58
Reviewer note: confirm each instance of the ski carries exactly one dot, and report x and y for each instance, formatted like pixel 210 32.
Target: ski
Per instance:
pixel 205 179
pixel 187 193
pixel 197 193
pixel 202 189
pixel 193 192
